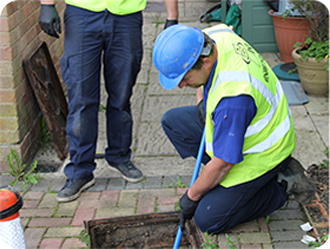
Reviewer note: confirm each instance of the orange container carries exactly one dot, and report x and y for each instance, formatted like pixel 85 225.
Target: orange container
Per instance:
pixel 288 31
pixel 10 204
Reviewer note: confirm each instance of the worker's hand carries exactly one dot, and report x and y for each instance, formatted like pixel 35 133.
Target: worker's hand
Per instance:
pixel 170 23
pixel 188 208
pixel 49 21
pixel 201 111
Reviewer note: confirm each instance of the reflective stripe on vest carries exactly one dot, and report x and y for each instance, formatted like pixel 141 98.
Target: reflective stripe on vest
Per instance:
pixel 118 7
pixel 274 101
pixel 219 30
pixel 269 138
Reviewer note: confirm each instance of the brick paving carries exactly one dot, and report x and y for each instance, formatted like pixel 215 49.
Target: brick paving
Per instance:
pixel 48 224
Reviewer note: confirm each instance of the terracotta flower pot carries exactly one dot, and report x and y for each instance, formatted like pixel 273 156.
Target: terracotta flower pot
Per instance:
pixel 288 31
pixel 314 78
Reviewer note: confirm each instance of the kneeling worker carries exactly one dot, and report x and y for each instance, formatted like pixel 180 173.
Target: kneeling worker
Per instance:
pixel 249 133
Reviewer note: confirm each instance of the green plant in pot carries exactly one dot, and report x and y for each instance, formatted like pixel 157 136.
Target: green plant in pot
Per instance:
pixel 314 49
pixel 312 56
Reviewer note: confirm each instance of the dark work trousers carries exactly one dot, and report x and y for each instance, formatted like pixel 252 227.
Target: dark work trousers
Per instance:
pixel 92 38
pixel 223 208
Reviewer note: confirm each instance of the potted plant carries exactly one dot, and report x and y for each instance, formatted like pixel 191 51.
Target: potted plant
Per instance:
pixel 312 56
pixel 290 27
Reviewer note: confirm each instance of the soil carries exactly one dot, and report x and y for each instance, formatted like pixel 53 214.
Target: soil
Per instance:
pixel 320 176
pixel 152 236
pixel 319 209
pixel 143 231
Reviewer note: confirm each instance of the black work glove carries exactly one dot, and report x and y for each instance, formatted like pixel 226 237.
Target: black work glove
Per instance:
pixel 49 21
pixel 188 208
pixel 201 111
pixel 170 23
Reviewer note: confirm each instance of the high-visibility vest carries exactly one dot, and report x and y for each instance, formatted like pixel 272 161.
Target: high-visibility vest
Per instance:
pixel 118 7
pixel 270 138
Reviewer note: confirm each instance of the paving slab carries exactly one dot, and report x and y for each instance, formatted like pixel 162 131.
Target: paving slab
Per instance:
pixel 61 232
pixel 128 198
pixel 66 210
pixel 33 236
pixel 285 236
pixel 255 237
pixel 110 212
pixel 285 225
pixel 163 165
pixel 156 106
pixel 51 243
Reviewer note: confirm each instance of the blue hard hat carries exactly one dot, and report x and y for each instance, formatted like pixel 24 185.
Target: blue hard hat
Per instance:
pixel 175 52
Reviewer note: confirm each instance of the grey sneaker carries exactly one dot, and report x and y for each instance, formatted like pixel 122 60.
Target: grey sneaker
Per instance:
pixel 297 183
pixel 73 188
pixel 128 171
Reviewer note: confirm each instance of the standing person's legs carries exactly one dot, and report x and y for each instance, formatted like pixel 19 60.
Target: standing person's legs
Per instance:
pixel 184 129
pixel 81 73
pixel 122 62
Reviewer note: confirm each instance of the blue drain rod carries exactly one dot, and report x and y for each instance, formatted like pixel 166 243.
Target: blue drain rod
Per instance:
pixel 193 179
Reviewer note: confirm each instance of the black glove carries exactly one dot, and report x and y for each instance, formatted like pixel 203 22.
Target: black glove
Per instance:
pixel 201 111
pixel 49 19
pixel 170 23
pixel 188 208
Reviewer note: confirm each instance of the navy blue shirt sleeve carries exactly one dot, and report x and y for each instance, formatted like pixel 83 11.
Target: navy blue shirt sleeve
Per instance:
pixel 231 118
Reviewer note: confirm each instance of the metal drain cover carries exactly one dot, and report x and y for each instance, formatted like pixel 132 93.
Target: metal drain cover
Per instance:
pixel 41 74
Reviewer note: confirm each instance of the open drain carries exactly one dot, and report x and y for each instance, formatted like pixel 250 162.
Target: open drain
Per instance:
pixel 42 168
pixel 157 230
